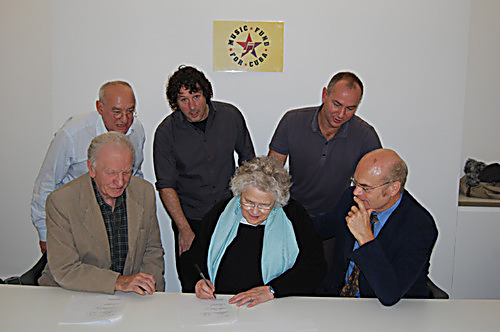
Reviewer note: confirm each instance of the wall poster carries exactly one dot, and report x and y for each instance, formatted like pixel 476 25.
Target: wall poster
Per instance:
pixel 248 46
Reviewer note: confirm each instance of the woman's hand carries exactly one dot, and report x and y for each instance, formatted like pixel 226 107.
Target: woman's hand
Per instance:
pixel 253 296
pixel 204 291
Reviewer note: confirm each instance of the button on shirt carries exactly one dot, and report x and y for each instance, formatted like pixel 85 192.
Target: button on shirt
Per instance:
pixel 66 159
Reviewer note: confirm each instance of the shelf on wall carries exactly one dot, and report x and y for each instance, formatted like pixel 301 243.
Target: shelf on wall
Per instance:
pixel 473 201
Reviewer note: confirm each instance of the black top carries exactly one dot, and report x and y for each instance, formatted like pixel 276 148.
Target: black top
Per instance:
pixel 199 164
pixel 301 279
pixel 240 268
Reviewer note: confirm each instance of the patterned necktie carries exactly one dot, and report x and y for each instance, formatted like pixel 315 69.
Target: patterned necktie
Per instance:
pixel 351 287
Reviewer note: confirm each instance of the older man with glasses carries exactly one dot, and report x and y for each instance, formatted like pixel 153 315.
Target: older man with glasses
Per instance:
pixel 66 158
pixel 384 237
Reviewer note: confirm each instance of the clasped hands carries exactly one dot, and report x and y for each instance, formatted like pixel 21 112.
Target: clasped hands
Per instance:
pixel 252 297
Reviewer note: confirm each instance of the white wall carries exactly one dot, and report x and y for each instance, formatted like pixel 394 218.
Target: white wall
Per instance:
pixel 477 263
pixel 482 103
pixel 411 55
pixel 26 126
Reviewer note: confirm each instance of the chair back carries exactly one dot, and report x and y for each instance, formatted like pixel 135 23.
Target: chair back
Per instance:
pixel 435 291
pixel 31 276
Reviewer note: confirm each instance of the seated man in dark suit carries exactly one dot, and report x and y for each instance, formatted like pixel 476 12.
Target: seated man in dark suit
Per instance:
pixel 390 259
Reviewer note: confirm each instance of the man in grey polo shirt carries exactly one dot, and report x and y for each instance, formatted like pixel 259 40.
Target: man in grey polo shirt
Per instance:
pixel 193 153
pixel 324 144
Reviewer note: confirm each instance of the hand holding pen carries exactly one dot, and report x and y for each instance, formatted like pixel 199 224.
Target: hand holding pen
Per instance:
pixel 204 288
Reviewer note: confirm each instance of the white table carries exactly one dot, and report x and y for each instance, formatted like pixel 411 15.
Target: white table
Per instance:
pixel 26 308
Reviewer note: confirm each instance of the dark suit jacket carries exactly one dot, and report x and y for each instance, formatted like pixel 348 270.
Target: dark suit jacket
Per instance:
pixel 395 264
pixel 77 243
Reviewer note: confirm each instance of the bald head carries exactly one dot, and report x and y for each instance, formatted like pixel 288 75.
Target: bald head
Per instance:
pixel 379 179
pixel 384 165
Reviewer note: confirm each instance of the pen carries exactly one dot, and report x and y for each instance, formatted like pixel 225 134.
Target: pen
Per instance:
pixel 203 276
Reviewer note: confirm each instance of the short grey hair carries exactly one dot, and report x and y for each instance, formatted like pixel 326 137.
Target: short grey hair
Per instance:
pixel 112 137
pixel 102 89
pixel 398 172
pixel 266 174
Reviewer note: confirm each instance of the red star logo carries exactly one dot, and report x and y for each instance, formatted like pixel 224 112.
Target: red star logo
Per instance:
pixel 249 46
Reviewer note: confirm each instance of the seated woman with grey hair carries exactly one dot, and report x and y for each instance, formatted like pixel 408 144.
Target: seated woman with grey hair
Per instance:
pixel 257 245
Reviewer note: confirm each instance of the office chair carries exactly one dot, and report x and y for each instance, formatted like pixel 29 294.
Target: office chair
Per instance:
pixel 435 291
pixel 31 276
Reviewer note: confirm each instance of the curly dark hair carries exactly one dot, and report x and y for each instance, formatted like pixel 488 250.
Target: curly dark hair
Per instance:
pixel 190 78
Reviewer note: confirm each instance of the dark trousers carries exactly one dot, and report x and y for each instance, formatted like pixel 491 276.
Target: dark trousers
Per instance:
pixel 322 227
pixel 195 226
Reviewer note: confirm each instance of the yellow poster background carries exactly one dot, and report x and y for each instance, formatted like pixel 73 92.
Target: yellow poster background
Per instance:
pixel 248 46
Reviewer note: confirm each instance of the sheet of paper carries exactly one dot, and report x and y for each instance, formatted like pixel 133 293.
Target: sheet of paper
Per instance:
pixel 193 311
pixel 90 308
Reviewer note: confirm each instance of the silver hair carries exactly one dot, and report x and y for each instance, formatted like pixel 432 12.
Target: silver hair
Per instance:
pixel 266 174
pixel 398 172
pixel 112 137
pixel 102 89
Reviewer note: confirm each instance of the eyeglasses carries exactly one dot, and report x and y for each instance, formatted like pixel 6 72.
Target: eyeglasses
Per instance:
pixel 261 207
pixel 119 114
pixel 367 188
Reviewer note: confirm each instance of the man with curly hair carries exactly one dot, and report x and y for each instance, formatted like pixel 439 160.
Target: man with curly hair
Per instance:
pixel 193 153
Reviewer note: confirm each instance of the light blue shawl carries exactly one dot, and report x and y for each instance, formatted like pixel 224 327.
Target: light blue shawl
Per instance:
pixel 279 249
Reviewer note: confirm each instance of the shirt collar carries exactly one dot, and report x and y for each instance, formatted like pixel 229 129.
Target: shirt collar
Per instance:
pixel 101 201
pixel 245 222
pixel 342 132
pixel 211 113
pixel 383 216
pixel 314 122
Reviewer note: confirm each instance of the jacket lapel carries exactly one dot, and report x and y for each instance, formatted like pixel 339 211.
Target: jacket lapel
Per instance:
pixel 348 246
pixel 135 213
pixel 93 221
pixel 390 234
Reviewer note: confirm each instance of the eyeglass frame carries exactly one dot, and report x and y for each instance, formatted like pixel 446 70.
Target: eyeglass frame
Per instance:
pixel 367 188
pixel 260 207
pixel 120 114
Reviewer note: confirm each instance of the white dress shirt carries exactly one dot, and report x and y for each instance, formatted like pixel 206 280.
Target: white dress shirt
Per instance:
pixel 66 159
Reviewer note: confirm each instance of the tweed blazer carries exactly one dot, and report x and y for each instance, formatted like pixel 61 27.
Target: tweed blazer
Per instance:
pixel 78 250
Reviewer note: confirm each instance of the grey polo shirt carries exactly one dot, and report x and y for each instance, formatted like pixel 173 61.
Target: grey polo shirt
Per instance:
pixel 321 169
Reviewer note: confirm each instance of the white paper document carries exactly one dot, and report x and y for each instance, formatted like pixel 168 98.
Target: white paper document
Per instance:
pixel 194 311
pixel 89 308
